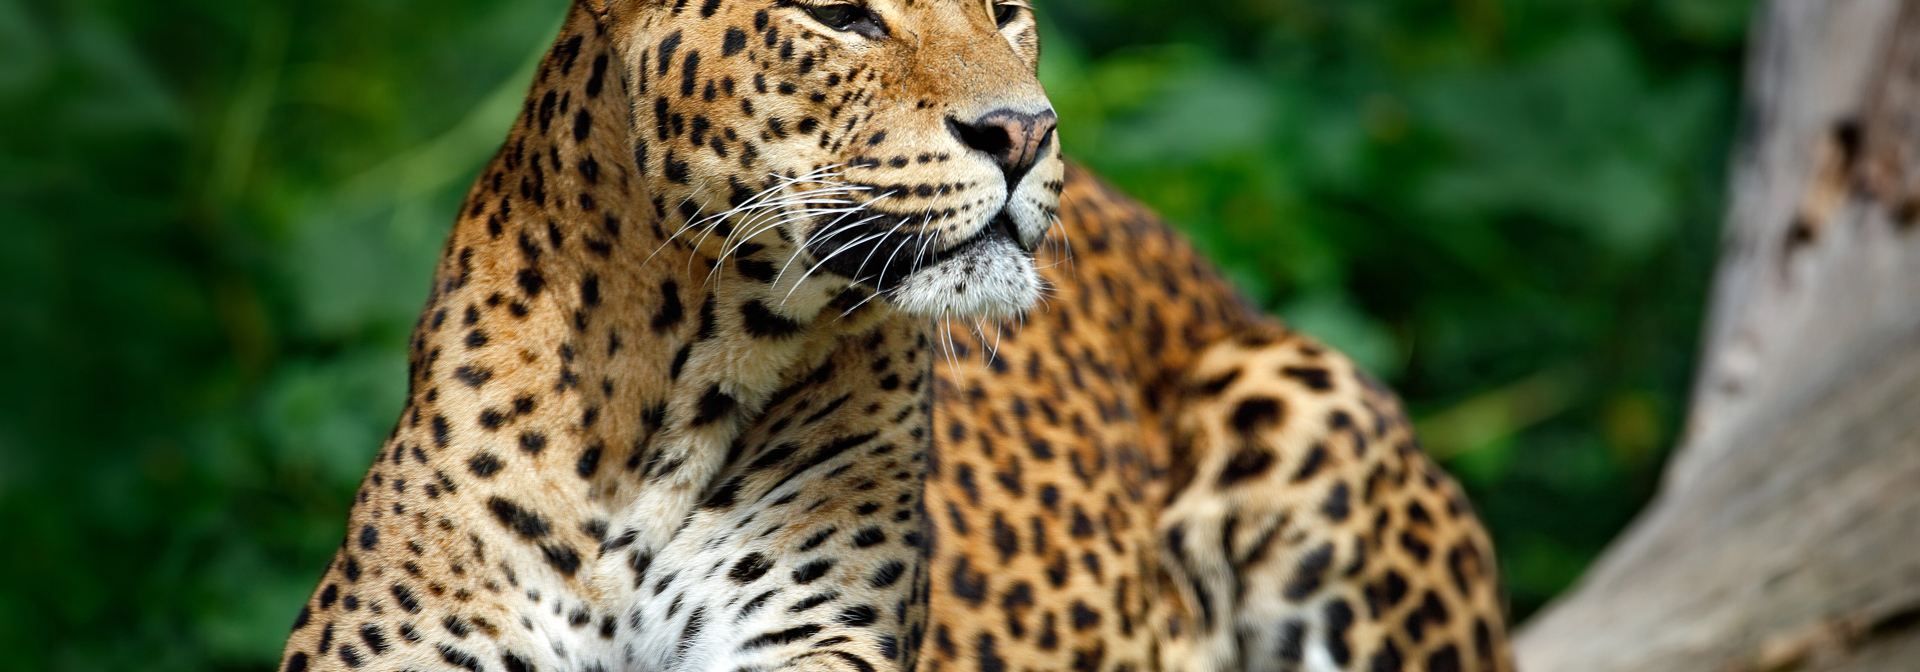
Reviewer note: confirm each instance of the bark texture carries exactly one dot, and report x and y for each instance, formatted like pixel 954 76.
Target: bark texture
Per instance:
pixel 1786 535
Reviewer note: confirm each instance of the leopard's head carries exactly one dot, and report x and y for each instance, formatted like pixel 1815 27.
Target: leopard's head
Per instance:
pixel 904 146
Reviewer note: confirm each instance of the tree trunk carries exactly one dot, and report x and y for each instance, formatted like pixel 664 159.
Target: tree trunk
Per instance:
pixel 1786 535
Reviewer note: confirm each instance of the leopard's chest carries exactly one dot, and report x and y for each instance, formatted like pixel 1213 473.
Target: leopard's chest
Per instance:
pixel 814 530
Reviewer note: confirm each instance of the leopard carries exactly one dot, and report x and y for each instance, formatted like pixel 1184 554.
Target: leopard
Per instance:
pixel 781 335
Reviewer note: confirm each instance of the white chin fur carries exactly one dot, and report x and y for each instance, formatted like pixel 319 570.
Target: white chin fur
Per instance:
pixel 993 281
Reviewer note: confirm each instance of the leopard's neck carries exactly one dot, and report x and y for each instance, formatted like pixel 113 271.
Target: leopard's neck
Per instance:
pixel 575 316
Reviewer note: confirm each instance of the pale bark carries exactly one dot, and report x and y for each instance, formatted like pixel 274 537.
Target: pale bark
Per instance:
pixel 1787 531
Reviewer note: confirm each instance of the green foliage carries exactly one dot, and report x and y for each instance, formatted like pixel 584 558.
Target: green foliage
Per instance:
pixel 221 217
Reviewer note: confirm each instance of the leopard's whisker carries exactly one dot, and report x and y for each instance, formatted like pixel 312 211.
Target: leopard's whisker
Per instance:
pixel 843 248
pixel 751 228
pixel 799 248
pixel 863 262
pixel 671 237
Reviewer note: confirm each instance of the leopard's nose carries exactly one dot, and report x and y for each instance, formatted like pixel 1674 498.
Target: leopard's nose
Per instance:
pixel 1015 140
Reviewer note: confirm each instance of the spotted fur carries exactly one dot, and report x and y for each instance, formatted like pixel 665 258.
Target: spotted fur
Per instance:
pixel 739 358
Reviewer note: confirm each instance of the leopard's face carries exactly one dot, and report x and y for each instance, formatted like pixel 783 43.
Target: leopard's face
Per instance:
pixel 904 146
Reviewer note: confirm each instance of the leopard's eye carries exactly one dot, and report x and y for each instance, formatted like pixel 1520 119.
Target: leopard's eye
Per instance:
pixel 1005 13
pixel 839 16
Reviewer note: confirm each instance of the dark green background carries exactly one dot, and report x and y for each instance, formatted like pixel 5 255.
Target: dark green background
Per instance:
pixel 219 218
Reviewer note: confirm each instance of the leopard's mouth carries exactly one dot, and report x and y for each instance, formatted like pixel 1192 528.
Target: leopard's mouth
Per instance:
pixel 878 253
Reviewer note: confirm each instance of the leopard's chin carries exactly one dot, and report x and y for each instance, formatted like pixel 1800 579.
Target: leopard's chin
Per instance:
pixel 991 279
